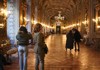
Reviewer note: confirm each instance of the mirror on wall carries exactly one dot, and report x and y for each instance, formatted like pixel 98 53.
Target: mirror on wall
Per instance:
pixel 98 18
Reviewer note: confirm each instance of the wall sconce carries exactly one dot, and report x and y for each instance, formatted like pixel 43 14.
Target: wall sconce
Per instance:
pixel 25 18
pixel 4 12
pixel 98 22
pixel 35 21
pixel 98 18
pixel 32 21
pixel 94 20
pixel 1 25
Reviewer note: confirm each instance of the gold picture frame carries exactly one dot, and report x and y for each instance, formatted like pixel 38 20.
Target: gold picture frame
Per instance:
pixel 98 18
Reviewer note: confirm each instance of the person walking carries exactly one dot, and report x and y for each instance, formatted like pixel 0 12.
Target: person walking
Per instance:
pixel 39 43
pixel 23 38
pixel 77 38
pixel 69 40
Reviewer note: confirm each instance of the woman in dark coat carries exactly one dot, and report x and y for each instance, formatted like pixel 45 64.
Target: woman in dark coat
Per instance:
pixel 69 40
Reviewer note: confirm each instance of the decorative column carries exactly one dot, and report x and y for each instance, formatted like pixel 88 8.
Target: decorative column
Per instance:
pixel 43 21
pixel 36 10
pixel 28 16
pixel 12 20
pixel 83 31
pixel 90 24
pixel 90 33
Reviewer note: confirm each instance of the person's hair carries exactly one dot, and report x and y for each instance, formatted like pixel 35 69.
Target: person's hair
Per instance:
pixel 74 29
pixel 37 27
pixel 22 28
pixel 70 31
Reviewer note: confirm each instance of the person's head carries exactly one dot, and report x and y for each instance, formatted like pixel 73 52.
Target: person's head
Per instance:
pixel 73 30
pixel 37 28
pixel 22 28
pixel 70 31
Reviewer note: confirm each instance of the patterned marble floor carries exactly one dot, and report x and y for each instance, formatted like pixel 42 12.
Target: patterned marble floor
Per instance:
pixel 60 59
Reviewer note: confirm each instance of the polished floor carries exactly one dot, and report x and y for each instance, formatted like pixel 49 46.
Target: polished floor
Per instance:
pixel 60 59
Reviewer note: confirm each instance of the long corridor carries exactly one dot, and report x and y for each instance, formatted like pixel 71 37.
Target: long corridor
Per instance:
pixel 60 59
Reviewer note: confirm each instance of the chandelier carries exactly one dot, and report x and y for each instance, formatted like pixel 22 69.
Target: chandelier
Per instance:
pixel 59 17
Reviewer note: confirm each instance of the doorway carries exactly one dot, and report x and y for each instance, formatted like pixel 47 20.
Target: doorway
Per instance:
pixel 58 29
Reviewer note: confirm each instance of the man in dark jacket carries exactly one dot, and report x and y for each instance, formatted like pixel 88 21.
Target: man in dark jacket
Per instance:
pixel 77 38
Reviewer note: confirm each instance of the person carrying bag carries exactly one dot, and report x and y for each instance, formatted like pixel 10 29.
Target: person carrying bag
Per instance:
pixel 40 48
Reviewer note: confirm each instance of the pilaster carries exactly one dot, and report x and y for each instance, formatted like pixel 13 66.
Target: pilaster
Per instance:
pixel 12 20
pixel 36 10
pixel 28 16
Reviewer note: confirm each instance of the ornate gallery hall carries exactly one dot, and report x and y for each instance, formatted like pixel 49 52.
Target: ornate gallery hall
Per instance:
pixel 57 18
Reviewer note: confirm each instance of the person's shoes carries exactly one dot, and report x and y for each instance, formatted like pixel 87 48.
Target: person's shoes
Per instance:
pixel 75 50
pixel 66 50
pixel 78 49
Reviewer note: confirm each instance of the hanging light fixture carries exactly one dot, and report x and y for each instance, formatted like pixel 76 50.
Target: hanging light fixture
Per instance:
pixel 59 17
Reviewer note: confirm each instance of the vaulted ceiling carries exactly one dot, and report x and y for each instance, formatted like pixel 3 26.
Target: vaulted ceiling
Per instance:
pixel 68 8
